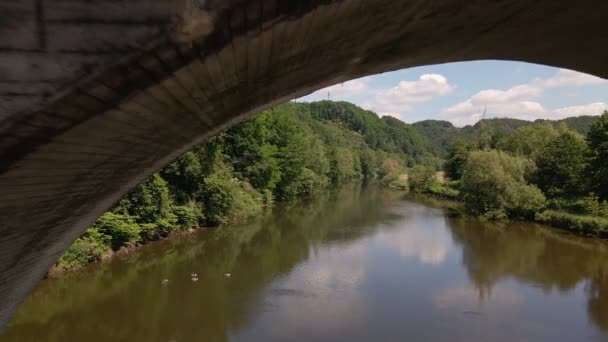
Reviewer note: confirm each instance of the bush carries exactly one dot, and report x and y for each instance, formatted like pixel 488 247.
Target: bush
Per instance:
pixel 447 190
pixel 401 182
pixel 88 248
pixel 121 229
pixel 589 205
pixel 592 206
pixel 420 177
pixel 494 186
pixel 218 199
pixel 391 177
pixel 247 201
pixel 588 225
pixel 525 201
pixel 186 216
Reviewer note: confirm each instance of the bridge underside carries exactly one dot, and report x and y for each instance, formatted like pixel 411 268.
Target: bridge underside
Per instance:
pixel 95 95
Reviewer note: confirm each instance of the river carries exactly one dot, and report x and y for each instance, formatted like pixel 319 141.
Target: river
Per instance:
pixel 358 264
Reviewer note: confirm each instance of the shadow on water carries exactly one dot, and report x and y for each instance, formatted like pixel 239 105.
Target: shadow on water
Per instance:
pixel 125 299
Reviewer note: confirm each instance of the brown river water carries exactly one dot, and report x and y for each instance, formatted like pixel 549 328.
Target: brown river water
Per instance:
pixel 357 264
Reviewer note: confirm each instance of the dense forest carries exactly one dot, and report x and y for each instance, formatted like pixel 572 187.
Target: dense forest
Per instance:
pixel 554 172
pixel 550 171
pixel 442 134
pixel 279 155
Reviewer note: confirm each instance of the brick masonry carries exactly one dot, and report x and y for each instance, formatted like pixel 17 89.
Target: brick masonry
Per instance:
pixel 95 95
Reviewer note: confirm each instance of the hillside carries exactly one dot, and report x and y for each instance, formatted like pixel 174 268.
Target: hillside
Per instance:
pixel 421 142
pixel 441 134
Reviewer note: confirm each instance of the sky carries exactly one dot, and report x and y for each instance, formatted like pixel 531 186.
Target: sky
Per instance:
pixel 459 92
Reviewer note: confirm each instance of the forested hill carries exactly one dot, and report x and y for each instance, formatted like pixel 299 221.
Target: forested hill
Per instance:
pixel 441 134
pixel 286 152
pixel 385 134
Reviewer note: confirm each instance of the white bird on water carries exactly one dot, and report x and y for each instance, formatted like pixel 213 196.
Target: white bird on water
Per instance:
pixel 165 281
pixel 227 275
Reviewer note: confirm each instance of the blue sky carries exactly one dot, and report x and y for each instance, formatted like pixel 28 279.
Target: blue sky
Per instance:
pixel 459 92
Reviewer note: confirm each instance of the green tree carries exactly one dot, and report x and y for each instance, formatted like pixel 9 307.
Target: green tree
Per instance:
pixel 493 185
pixel 597 138
pixel 342 165
pixel 560 166
pixel 457 158
pixel 150 202
pixel 419 177
pixel 120 230
pixel 529 140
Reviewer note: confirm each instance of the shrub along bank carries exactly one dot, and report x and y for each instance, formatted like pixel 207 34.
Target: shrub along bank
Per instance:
pixel 539 172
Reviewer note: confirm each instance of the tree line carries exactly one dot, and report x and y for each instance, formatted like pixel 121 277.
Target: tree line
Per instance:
pixel 541 171
pixel 281 154
pixel 499 168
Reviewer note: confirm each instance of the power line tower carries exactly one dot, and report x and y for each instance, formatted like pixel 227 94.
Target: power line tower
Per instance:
pixel 481 127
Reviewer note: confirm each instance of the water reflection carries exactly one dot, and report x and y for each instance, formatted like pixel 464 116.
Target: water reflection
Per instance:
pixel 353 265
pixel 534 255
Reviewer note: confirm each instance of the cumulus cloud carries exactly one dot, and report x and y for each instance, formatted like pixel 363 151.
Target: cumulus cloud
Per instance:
pixel 387 101
pixel 521 101
pixel 402 97
pixel 429 247
pixel 565 77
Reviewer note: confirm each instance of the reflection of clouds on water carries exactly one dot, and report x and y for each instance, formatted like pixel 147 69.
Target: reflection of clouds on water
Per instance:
pixel 470 299
pixel 430 246
pixel 329 299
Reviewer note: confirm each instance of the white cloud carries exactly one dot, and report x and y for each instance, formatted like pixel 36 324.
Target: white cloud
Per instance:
pixel 386 101
pixel 521 101
pixel 429 246
pixel 565 77
pixel 402 97
pixel 592 108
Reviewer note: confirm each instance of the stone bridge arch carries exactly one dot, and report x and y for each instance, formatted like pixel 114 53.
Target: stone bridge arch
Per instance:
pixel 95 95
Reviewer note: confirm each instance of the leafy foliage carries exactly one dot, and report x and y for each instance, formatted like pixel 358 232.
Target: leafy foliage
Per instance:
pixel 586 225
pixel 561 165
pixel 494 186
pixel 457 158
pixel 598 143
pixel 294 150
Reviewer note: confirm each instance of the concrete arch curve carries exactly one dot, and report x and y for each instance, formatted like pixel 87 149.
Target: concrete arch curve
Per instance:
pixel 96 95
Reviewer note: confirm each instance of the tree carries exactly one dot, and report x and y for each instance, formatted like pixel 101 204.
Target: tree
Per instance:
pixel 560 166
pixel 529 140
pixel 119 229
pixel 419 177
pixel 369 162
pixel 342 165
pixel 597 138
pixel 457 158
pixel 493 185
pixel 149 202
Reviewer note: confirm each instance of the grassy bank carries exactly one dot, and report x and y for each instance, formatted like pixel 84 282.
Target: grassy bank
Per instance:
pixel 586 216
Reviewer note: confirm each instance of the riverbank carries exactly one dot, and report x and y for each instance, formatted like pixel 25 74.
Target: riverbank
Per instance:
pixel 117 234
pixel 57 270
pixel 583 225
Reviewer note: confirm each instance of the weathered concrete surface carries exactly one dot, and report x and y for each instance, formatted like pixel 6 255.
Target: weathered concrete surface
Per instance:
pixel 97 94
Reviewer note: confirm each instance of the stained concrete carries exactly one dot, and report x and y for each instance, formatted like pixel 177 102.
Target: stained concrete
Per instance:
pixel 95 95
